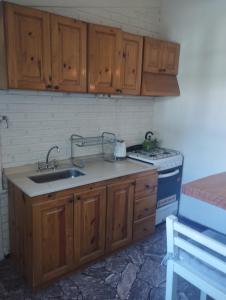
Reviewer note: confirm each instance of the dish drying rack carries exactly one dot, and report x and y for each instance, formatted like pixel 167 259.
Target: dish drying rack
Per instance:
pixel 107 140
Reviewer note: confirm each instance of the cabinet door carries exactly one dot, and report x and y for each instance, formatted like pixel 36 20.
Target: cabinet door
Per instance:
pixel 119 214
pixel 132 63
pixel 152 55
pixel 28 46
pixel 68 54
pixel 52 239
pixel 90 216
pixel 105 57
pixel 159 85
pixel 170 58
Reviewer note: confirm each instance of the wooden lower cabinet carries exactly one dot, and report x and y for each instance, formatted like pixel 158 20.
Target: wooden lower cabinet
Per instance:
pixel 52 238
pixel 119 214
pixel 144 206
pixel 54 234
pixel 143 228
pixel 89 228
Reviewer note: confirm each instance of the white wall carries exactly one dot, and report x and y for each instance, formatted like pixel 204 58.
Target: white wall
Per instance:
pixel 39 120
pixel 195 122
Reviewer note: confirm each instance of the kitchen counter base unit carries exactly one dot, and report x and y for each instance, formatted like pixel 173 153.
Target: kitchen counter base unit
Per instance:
pixel 56 233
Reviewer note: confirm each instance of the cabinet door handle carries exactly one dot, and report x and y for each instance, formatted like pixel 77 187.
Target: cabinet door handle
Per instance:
pixel 118 91
pixel 56 87
pixel 48 86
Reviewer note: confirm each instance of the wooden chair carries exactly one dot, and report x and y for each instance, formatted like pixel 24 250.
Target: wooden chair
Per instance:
pixel 198 258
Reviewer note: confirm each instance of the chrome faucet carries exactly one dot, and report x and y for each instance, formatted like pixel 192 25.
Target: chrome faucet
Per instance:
pixel 48 154
pixel 48 164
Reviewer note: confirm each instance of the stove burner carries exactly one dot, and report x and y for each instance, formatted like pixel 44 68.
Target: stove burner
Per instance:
pixel 166 152
pixel 163 158
pixel 158 153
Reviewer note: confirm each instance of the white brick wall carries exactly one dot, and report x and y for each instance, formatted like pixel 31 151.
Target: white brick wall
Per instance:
pixel 141 17
pixel 38 120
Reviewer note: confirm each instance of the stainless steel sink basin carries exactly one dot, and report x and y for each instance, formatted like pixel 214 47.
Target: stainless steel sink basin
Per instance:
pixel 69 173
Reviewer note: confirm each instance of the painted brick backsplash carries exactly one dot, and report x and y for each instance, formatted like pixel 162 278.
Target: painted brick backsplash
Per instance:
pixel 38 120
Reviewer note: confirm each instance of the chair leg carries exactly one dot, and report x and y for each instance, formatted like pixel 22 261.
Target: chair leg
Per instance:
pixel 171 282
pixel 203 296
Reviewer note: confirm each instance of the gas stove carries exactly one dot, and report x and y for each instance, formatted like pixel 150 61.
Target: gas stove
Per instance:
pixel 163 158
pixel 169 164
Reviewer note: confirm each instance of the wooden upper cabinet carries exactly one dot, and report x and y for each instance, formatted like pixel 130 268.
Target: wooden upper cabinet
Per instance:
pixel 89 222
pixel 42 51
pixel 152 55
pixel 68 54
pixel 119 214
pixel 28 47
pixel 161 56
pixel 170 58
pixel 105 58
pixel 159 85
pixel 132 63
pixel 52 238
pixel 160 67
pixel 45 52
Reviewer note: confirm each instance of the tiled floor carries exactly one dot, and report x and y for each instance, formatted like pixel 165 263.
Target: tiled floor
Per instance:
pixel 133 273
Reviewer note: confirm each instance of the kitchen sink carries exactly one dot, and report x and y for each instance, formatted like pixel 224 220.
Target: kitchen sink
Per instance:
pixel 69 173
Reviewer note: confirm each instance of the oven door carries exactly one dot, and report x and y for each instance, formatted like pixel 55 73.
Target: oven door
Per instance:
pixel 169 186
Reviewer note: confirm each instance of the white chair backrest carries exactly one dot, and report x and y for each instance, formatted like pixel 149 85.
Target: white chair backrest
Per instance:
pixel 186 239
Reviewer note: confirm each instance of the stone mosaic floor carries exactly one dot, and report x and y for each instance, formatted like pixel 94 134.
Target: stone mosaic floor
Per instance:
pixel 134 273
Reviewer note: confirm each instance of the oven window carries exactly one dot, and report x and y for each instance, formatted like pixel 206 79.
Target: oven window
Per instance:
pixel 169 186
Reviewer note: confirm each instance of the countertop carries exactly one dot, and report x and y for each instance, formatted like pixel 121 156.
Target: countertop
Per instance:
pixel 96 170
pixel 211 189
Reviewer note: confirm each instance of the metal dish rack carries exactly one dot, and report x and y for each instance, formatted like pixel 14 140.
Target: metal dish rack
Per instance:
pixel 107 140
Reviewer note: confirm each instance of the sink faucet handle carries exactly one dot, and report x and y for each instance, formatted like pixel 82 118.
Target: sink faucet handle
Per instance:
pixel 55 164
pixel 52 164
pixel 42 165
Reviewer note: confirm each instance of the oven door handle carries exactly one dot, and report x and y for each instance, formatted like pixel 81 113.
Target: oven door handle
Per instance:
pixel 177 171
